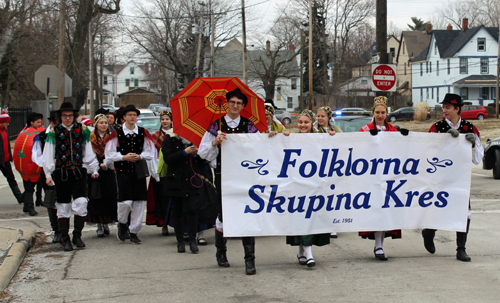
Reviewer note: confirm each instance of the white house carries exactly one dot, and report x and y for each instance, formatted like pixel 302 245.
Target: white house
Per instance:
pixel 457 61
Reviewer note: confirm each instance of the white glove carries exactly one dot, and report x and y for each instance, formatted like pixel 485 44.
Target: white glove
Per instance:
pixel 454 133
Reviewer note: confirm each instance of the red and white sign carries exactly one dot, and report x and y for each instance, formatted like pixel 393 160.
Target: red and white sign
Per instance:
pixel 384 77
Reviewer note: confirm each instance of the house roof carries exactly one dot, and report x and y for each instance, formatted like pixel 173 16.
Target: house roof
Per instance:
pixel 415 42
pixel 138 91
pixel 476 81
pixel 114 68
pixel 364 58
pixel 229 63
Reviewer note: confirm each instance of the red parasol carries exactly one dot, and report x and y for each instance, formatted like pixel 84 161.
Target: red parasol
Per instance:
pixel 204 101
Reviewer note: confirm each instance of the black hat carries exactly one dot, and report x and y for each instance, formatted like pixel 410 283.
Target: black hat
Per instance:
pixel 129 108
pixel 101 111
pixel 52 115
pixel 33 117
pixel 67 106
pixel 453 99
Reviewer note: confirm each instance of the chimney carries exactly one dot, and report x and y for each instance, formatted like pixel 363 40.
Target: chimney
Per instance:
pixel 268 48
pixel 291 46
pixel 429 28
pixel 449 27
pixel 465 24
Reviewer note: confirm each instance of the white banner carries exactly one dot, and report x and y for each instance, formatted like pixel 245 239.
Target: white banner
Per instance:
pixel 317 183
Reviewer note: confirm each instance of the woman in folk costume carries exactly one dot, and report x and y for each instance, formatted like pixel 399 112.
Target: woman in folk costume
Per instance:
pixel 102 191
pixel 156 205
pixel 273 124
pixel 305 243
pixel 380 124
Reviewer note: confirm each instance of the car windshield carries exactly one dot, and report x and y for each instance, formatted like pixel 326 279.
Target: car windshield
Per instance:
pixel 351 125
pixel 146 114
pixel 151 124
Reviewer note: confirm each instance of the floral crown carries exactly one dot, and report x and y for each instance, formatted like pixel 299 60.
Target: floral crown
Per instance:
pixel 269 109
pixel 309 114
pixel 327 110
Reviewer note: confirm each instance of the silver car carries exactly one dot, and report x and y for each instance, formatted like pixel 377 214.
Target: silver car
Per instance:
pixel 284 116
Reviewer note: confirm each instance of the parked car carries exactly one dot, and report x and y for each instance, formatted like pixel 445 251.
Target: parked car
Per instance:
pixel 110 107
pixel 284 116
pixel 154 107
pixel 352 123
pixel 491 159
pixel 146 113
pixel 404 113
pixel 474 112
pixel 352 111
pixel 151 123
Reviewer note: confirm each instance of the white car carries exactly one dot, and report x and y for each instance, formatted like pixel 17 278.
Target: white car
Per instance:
pixel 146 113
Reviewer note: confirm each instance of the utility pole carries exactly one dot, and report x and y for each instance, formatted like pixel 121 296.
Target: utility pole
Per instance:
pixel 212 40
pixel 301 105
pixel 101 50
pixel 310 56
pixel 498 75
pixel 61 63
pixel 91 73
pixel 198 51
pixel 381 34
pixel 244 37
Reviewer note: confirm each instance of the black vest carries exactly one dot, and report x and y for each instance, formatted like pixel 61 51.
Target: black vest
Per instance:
pixel 131 143
pixel 465 127
pixel 242 128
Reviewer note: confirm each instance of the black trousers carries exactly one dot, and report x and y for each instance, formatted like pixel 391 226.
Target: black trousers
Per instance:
pixel 29 190
pixel 9 175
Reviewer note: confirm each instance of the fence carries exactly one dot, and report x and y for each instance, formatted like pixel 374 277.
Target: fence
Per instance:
pixel 18 117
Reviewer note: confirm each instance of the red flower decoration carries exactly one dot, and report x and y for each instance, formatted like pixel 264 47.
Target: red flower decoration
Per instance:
pixel 453 101
pixel 465 127
pixel 77 130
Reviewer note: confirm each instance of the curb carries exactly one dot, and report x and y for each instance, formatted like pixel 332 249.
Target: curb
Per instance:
pixel 15 256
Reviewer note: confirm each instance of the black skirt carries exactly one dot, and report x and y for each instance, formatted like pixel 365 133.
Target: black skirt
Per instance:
pixel 104 208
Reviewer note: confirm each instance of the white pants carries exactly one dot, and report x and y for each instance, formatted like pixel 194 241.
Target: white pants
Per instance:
pixel 79 206
pixel 136 211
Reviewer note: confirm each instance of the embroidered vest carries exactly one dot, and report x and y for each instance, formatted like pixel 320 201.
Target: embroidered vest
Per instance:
pixel 131 143
pixel 242 128
pixel 69 146
pixel 465 127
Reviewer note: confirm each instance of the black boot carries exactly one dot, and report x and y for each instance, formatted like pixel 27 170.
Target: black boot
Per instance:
pixel 428 235
pixel 64 229
pixel 17 193
pixel 461 240
pixel 77 231
pixel 220 244
pixel 192 222
pixel 179 234
pixel 249 246
pixel 122 232
pixel 39 187
pixel 53 223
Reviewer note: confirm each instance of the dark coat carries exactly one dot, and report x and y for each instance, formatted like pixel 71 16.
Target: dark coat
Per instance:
pixel 2 152
pixel 179 180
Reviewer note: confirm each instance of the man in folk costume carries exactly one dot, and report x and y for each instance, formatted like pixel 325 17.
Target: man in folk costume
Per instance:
pixel 209 150
pixel 6 157
pixel 127 146
pixel 454 124
pixel 36 157
pixel 69 145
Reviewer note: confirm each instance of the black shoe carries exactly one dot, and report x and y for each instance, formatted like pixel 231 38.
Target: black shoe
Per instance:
pixel 181 247
pixel 302 260
pixel 127 234
pixel 381 256
pixel 222 259
pixel 66 243
pixel 122 231
pixel 57 238
pixel 32 212
pixel 78 242
pixel 38 202
pixel 100 233
pixel 250 267
pixel 20 199
pixel 192 245
pixel 106 229
pixel 428 236
pixel 310 262
pixel 134 239
pixel 164 230
pixel 462 255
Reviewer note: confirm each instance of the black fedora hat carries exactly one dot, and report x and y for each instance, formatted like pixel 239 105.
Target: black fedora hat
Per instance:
pixel 67 106
pixel 453 99
pixel 129 108
pixel 52 115
pixel 33 117
pixel 101 111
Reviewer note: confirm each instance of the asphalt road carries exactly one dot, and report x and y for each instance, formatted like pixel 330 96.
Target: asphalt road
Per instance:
pixel 111 271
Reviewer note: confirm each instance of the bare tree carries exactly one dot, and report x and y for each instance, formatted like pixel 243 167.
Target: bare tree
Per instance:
pixel 455 11
pixel 488 12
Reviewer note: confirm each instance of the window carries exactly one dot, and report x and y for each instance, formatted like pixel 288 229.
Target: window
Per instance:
pixel 132 70
pixel 426 67
pixel 449 88
pixel 294 83
pixel 484 66
pixel 430 67
pixel 465 93
pixel 432 93
pixel 421 93
pixel 448 63
pixel 136 82
pixel 105 80
pixel 481 44
pixel 405 68
pixel 364 82
pixel 485 93
pixel 427 94
pixel 437 94
pixel 437 68
pixel 421 69
pixel 463 65
pixel 435 49
pixel 290 102
pixel 127 82
pixel 494 93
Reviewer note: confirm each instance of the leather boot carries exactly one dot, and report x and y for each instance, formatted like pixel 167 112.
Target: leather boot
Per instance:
pixel 77 231
pixel 64 229
pixel 53 223
pixel 428 235
pixel 192 222
pixel 220 244
pixel 179 234
pixel 249 246
pixel 461 240
pixel 17 193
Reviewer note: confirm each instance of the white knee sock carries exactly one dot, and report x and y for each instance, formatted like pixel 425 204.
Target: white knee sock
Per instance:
pixel 308 251
pixel 379 240
pixel 301 251
pixel 200 234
